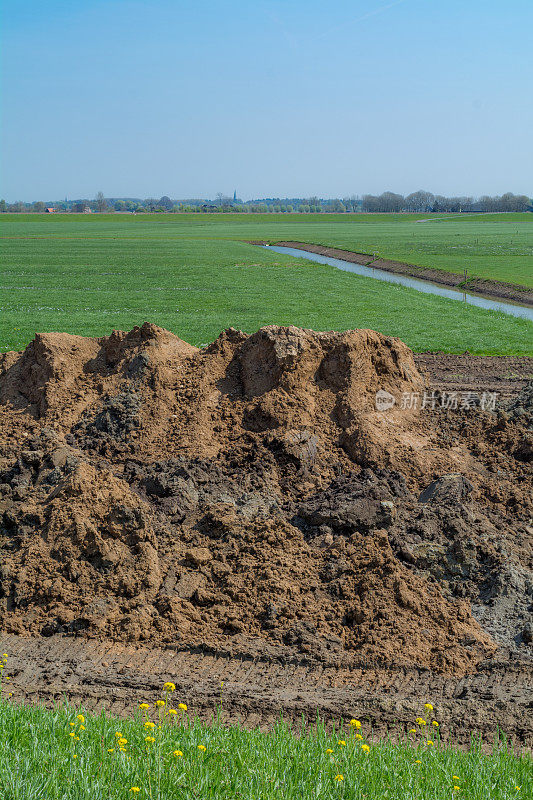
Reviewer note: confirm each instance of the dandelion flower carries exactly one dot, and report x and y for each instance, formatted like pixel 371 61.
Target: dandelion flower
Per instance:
pixel 177 753
pixel 149 739
pixel 118 735
pixel 359 737
pixel 144 706
pixel 182 707
pixel 122 742
pixel 172 711
pixel 339 778
pixel 365 748
pixel 160 703
pixel 169 687
pixel 202 747
pixel 435 723
pixel 342 743
pixel 80 718
pixel 456 778
pixel 72 734
pixel 517 788
pixel 111 750
pixel 420 721
pixel 74 756
pixel 430 743
pixel 329 750
pixel 355 723
pixel 456 788
pixel 428 706
pixel 72 724
pixel 149 724
pixel 135 789
pixel 4 655
pixel 418 761
pixel 412 730
pixel 82 727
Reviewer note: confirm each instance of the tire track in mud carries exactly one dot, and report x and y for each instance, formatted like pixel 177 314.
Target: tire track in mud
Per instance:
pixel 103 675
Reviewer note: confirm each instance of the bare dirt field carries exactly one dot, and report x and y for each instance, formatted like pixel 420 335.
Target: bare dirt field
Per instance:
pixel 244 513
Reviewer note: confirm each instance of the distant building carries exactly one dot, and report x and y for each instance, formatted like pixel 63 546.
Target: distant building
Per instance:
pixel 49 210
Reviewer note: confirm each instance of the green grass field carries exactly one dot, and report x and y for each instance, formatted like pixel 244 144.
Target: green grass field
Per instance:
pixel 156 755
pixel 194 275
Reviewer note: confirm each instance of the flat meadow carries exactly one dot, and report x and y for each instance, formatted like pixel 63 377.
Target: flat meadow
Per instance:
pixel 195 274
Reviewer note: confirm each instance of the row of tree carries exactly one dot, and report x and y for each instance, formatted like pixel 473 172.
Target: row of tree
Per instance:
pixel 387 202
pixel 426 202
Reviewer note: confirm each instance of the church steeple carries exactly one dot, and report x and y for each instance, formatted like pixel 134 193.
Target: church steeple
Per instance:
pixel 235 195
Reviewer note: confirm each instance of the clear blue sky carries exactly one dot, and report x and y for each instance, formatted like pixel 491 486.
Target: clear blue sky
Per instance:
pixel 273 98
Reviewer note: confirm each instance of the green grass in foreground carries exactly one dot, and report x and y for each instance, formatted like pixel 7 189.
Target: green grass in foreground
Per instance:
pixel 60 754
pixel 88 275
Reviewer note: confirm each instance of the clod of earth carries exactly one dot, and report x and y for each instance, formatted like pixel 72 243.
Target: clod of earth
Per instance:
pixel 249 497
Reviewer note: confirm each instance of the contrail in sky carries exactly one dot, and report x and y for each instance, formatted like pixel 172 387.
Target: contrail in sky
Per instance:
pixel 379 10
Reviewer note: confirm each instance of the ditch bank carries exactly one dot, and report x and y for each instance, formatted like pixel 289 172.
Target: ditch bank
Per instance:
pixel 500 290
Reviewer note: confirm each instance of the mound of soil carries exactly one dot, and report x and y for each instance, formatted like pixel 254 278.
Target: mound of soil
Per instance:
pixel 249 498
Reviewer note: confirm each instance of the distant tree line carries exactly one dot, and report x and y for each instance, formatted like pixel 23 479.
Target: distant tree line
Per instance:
pixel 421 202
pixel 426 202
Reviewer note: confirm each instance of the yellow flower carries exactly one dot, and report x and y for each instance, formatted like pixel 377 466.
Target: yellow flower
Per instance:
pixel 342 743
pixel 149 724
pixel 74 756
pixel 517 788
pixel 359 737
pixel 178 753
pixel 339 778
pixel 144 706
pixel 435 723
pixel 122 749
pixel 122 742
pixel 202 748
pixel 4 655
pixel 118 735
pixel 172 711
pixel 135 789
pixel 456 778
pixel 418 761
pixel 430 743
pixel 76 738
pixel 428 706
pixel 329 750
pixel 80 718
pixel 456 788
pixel 160 703
pixel 72 734
pixel 7 678
pixel 182 707
pixel 149 739
pixel 355 723
pixel 412 730
pixel 365 748
pixel 420 721
pixel 82 727
pixel 72 724
pixel 111 750
pixel 169 687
